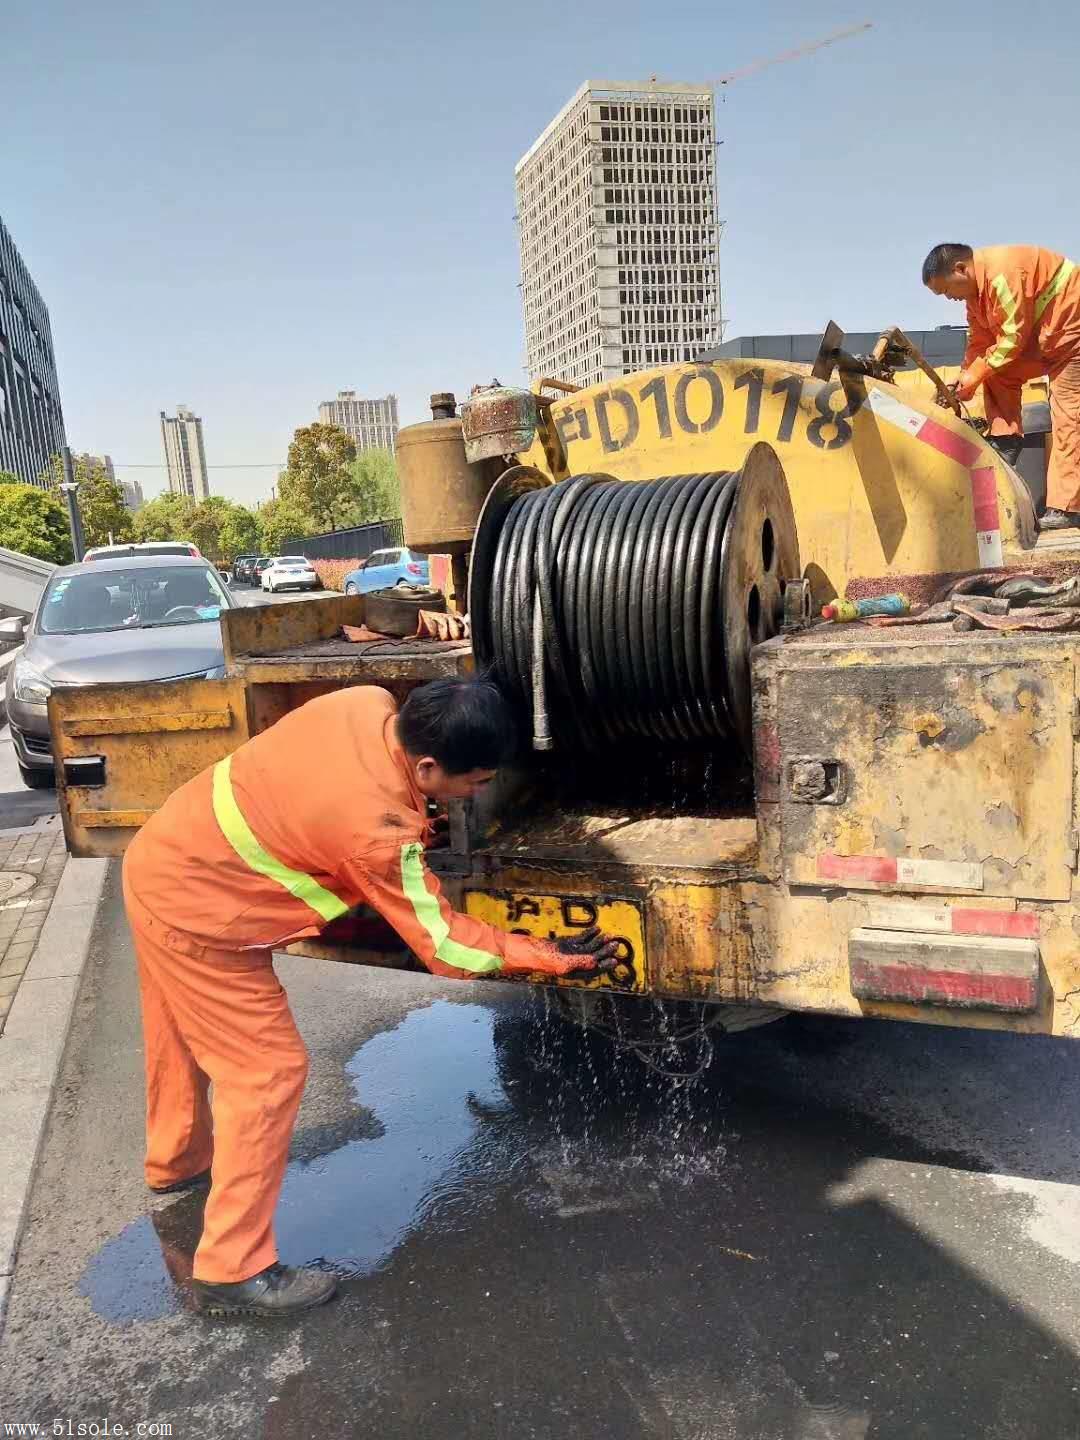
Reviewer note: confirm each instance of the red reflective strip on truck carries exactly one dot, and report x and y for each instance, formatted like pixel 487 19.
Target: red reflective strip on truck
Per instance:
pixel 1017 924
pixel 965 452
pixel 942 439
pixel 901 871
pixel 877 868
pixel 967 971
pixel 984 498
pixel 924 985
pixel 952 920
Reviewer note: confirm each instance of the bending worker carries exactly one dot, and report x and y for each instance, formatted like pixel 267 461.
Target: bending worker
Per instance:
pixel 322 812
pixel 1023 314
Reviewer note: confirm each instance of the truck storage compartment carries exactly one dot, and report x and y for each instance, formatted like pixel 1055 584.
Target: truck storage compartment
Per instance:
pixel 923 759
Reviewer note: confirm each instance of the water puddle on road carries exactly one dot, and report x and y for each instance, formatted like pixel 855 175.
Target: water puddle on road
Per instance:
pixel 466 1098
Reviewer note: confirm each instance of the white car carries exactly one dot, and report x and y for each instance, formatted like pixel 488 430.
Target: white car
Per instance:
pixel 144 547
pixel 290 572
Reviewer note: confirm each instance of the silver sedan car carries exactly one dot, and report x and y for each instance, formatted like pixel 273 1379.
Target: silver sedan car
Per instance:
pixel 107 622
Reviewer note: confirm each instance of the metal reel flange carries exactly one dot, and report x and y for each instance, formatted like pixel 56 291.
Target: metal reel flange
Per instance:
pixel 760 555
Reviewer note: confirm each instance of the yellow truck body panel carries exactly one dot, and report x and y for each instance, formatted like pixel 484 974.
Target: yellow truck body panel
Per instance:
pixel 882 480
pixel 909 845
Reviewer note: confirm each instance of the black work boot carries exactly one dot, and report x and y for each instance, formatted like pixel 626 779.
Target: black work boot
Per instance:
pixel 203 1178
pixel 277 1290
pixel 1007 446
pixel 1059 520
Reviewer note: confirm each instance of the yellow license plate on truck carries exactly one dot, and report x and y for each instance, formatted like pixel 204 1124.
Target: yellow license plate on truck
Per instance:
pixel 550 917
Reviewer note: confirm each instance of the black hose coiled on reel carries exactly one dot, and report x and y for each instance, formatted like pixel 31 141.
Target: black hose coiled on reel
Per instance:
pixel 628 577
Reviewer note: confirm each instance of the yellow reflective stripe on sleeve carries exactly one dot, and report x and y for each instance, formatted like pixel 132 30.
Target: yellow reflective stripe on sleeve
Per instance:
pixel 1064 270
pixel 1002 352
pixel 427 912
pixel 238 832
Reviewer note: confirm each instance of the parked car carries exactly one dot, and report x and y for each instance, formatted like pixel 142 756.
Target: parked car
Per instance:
pixel 256 574
pixel 144 547
pixel 147 618
pixel 243 566
pixel 290 572
pixel 386 568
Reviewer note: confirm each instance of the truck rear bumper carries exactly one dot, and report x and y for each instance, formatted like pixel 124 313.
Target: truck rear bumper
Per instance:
pixel 966 972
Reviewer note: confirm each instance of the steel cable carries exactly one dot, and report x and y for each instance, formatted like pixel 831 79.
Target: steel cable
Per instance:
pixel 629 583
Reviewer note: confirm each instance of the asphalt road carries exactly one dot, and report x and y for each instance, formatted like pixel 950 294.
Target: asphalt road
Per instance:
pixel 22 806
pixel 843 1231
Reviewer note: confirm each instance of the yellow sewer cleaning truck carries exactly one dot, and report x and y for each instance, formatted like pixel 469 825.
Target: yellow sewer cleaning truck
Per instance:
pixel 771 813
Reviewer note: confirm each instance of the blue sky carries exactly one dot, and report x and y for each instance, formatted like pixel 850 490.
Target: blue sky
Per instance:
pixel 247 207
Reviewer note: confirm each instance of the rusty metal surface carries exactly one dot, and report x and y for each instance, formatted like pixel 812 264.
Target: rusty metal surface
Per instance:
pixel 641 845
pixel 496 421
pixel 373 662
pixel 441 492
pixel 262 629
pixel 150 738
pixel 944 760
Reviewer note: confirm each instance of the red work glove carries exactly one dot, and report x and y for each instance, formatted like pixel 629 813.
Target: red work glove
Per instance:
pixel 966 385
pixel 590 952
pixel 575 957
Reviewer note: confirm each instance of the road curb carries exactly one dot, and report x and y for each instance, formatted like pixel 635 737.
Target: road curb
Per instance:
pixel 32 1046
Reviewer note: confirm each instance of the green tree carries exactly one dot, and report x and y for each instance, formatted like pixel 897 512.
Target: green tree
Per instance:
pixel 101 504
pixel 318 481
pixel 166 517
pixel 7 478
pixel 205 524
pixel 101 501
pixel 221 528
pixel 219 525
pixel 376 494
pixel 239 533
pixel 281 520
pixel 34 522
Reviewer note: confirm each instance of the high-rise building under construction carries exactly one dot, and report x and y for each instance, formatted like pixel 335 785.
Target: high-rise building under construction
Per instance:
pixel 618 232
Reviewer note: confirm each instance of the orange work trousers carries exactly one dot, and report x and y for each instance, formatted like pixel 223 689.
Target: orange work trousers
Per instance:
pixel 217 1017
pixel 1003 402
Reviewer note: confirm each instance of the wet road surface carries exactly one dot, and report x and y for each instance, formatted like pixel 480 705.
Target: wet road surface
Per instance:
pixel 843 1232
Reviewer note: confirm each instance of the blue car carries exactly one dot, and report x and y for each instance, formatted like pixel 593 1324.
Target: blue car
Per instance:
pixel 386 568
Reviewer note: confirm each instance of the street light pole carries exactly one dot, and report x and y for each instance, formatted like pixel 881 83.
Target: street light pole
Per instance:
pixel 70 488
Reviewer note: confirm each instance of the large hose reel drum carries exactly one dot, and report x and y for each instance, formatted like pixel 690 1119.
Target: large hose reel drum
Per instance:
pixel 617 611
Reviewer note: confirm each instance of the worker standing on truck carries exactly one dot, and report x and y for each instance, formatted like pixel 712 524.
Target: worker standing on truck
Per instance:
pixel 323 812
pixel 1023 313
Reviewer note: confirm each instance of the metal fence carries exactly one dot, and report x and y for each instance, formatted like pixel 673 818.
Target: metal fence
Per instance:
pixel 356 543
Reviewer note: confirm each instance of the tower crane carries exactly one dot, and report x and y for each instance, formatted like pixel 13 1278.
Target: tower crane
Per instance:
pixel 722 81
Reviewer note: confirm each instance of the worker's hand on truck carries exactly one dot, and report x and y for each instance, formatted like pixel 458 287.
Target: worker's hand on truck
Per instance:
pixel 598 955
pixel 962 388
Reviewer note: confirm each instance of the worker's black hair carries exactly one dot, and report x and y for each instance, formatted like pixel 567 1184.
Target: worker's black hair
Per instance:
pixel 942 260
pixel 463 724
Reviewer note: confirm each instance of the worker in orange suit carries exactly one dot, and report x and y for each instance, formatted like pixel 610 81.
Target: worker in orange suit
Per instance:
pixel 323 812
pixel 1023 313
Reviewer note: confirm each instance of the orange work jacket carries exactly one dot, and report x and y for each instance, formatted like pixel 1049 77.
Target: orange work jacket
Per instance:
pixel 313 817
pixel 1028 303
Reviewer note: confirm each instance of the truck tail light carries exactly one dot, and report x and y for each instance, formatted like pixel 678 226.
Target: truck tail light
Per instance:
pixel 414 569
